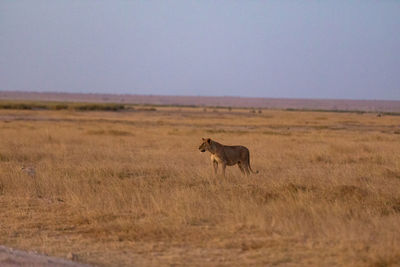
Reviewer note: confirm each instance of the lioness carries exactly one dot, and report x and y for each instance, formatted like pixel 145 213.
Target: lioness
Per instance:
pixel 227 155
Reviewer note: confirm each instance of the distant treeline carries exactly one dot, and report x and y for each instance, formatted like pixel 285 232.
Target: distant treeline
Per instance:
pixel 31 105
pixel 346 111
pixel 82 106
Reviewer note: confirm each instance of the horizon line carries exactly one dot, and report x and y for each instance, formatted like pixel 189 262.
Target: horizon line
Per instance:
pixel 206 96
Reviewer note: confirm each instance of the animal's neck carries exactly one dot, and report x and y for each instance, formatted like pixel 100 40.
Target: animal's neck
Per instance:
pixel 213 148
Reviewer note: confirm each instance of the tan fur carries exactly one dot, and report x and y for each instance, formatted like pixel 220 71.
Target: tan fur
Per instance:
pixel 227 156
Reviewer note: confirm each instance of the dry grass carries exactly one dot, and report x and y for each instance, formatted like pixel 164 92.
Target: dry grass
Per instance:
pixel 126 188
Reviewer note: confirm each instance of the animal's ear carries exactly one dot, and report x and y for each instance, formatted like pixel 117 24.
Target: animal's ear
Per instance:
pixel 203 139
pixel 209 140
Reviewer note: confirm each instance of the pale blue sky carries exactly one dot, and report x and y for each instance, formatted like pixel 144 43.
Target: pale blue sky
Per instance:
pixel 292 49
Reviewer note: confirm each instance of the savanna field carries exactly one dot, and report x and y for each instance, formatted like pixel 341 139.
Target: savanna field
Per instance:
pixel 131 188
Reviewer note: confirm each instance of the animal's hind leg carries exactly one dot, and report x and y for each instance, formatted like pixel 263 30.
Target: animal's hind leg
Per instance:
pixel 215 165
pixel 241 168
pixel 246 168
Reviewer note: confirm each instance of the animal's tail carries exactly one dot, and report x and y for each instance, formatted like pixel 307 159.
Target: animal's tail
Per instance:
pixel 248 163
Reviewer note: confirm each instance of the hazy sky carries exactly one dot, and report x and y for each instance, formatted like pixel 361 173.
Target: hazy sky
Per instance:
pixel 295 49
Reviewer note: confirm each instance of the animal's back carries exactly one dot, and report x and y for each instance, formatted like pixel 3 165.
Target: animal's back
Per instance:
pixel 235 154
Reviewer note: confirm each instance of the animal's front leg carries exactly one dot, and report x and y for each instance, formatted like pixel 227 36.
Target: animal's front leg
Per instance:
pixel 215 165
pixel 223 169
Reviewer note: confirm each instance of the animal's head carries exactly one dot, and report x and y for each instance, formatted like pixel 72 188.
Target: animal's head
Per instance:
pixel 205 145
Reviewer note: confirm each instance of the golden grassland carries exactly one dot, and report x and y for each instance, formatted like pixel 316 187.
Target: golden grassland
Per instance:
pixel 131 188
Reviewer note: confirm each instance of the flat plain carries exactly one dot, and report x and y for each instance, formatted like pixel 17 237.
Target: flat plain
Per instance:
pixel 130 188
